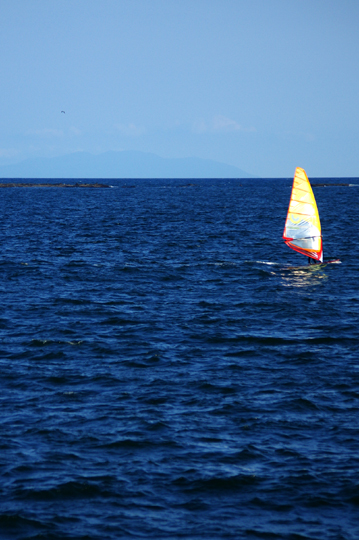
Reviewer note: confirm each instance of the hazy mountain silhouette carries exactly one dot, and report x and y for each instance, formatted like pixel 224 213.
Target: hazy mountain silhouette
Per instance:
pixel 126 164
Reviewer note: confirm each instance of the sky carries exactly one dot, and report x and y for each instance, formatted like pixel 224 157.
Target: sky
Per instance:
pixel 265 85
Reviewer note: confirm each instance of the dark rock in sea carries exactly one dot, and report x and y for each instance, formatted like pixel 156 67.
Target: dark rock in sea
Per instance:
pixel 328 185
pixel 59 185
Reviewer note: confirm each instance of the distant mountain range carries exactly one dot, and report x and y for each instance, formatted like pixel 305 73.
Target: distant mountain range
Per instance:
pixel 126 164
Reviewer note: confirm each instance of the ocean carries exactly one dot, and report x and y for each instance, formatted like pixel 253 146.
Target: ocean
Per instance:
pixel 166 375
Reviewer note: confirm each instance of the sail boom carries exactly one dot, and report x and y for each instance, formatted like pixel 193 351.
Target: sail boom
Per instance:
pixel 301 238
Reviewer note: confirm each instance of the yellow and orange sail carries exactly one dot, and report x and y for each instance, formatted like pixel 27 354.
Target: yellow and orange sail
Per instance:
pixel 302 231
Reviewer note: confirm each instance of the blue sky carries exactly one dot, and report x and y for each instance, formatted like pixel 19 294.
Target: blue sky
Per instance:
pixel 266 85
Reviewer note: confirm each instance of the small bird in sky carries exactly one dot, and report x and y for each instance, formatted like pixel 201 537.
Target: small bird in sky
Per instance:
pixel 63 112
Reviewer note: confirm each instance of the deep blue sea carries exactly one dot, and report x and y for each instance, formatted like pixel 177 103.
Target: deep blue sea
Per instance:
pixel 165 375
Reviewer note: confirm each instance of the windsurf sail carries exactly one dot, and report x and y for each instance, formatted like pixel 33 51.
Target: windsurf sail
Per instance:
pixel 302 231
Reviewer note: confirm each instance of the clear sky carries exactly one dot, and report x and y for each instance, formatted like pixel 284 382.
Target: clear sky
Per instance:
pixel 266 85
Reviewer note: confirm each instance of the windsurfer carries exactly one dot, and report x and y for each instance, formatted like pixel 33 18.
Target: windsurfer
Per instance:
pixel 302 231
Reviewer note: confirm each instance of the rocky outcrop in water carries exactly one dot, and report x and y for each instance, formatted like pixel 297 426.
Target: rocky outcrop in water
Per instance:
pixel 49 185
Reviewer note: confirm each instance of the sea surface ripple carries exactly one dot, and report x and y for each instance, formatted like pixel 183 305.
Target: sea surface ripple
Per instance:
pixel 166 375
